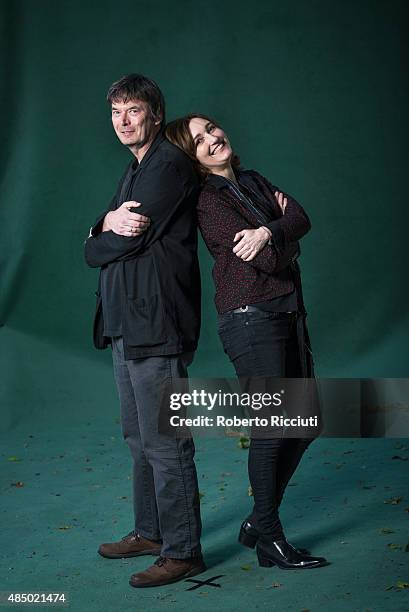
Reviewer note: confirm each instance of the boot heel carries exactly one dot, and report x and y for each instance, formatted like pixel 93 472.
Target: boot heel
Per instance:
pixel 263 561
pixel 247 540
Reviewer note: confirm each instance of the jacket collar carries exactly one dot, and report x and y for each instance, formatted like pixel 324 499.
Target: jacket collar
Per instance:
pixel 220 182
pixel 159 138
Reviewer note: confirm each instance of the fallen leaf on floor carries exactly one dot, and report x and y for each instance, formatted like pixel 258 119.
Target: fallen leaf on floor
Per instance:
pixel 13 459
pixel 246 568
pixel 17 484
pixel 386 530
pixel 65 527
pixel 402 585
pixel 201 495
pixel 393 500
pixel 250 491
pixel 244 442
pixel 275 585
pixel 394 546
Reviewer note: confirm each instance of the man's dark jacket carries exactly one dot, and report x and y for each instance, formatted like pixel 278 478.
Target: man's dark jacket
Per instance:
pixel 160 278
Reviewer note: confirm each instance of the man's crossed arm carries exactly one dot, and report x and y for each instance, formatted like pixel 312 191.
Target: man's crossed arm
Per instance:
pixel 123 233
pixel 124 222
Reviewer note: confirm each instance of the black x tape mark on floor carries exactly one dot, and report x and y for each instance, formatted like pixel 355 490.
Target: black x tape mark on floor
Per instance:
pixel 208 582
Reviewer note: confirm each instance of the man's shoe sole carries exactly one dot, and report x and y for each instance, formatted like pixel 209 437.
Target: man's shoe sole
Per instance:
pixel 193 572
pixel 154 552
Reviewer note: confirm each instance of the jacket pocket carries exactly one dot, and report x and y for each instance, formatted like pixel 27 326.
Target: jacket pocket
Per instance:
pixel 144 321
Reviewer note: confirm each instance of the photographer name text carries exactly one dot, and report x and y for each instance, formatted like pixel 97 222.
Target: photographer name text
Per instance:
pixel 222 421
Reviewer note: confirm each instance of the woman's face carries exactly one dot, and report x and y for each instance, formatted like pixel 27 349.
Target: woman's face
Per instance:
pixel 213 148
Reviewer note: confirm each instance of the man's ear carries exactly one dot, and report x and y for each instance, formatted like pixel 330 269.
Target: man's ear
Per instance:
pixel 158 118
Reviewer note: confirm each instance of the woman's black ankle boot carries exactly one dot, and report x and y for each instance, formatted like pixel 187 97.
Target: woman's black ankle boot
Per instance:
pixel 284 555
pixel 248 534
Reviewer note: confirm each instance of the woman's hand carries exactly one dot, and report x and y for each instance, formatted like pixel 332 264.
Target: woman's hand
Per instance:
pixel 124 222
pixel 281 200
pixel 251 241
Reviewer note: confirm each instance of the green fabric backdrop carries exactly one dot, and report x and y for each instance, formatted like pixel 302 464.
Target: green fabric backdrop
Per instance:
pixel 312 93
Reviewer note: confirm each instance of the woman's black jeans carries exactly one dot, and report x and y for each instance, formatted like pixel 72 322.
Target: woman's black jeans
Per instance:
pixel 265 344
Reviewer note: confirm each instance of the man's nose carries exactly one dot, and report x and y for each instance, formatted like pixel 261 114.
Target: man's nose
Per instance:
pixel 124 118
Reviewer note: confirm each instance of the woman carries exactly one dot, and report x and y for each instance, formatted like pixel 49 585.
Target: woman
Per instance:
pixel 252 231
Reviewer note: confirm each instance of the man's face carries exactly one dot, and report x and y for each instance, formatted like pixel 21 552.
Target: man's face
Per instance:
pixel 133 123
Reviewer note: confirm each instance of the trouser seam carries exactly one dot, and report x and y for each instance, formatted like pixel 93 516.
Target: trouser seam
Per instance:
pixel 187 521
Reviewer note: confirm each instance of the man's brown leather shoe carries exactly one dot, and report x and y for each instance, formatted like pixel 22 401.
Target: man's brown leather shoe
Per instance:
pixel 165 571
pixel 132 545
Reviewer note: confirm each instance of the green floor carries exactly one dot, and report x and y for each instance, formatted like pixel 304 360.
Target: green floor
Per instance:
pixel 74 493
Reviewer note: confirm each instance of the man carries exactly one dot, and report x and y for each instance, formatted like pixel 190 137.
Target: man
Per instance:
pixel 148 309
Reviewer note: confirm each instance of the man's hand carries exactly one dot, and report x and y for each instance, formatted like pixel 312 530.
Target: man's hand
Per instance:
pixel 281 200
pixel 251 241
pixel 124 222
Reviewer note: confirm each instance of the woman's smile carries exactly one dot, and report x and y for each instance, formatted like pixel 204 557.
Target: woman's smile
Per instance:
pixel 217 148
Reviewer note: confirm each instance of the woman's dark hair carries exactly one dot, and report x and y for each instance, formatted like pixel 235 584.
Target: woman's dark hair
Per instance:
pixel 139 87
pixel 178 133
